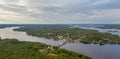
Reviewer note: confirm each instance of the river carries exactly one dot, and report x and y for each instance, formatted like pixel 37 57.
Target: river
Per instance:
pixel 94 51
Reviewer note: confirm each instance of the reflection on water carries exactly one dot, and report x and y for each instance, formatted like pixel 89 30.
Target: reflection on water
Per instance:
pixel 94 51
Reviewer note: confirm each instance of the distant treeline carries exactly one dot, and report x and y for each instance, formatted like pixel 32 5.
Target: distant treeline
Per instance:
pixel 115 26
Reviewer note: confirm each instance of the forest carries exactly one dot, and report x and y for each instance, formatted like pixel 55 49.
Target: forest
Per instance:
pixel 65 33
pixel 14 49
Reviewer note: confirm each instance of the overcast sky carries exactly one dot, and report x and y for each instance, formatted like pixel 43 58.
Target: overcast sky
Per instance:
pixel 59 11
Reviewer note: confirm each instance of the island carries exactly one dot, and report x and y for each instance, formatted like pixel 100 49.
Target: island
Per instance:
pixel 67 34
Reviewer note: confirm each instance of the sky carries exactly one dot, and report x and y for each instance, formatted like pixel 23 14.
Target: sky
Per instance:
pixel 59 11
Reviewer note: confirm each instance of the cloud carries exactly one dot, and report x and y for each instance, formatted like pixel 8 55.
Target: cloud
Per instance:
pixel 59 11
pixel 112 13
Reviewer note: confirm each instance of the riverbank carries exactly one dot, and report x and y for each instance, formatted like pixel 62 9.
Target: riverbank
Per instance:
pixel 94 51
pixel 66 34
pixel 14 49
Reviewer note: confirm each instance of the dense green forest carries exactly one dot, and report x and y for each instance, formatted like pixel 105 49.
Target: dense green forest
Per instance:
pixel 14 49
pixel 63 32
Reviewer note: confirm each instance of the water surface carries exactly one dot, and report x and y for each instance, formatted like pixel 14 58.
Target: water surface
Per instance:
pixel 92 50
pixel 111 31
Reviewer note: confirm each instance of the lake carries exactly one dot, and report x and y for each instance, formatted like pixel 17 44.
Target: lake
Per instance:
pixel 112 31
pixel 95 51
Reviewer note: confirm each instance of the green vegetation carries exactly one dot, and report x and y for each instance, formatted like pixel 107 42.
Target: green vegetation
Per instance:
pixel 115 26
pixel 14 49
pixel 63 32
